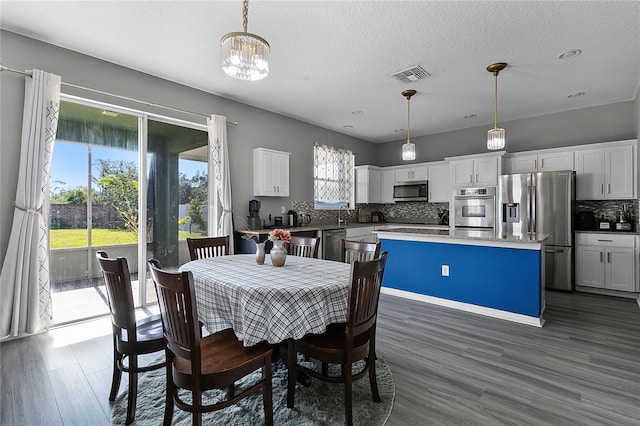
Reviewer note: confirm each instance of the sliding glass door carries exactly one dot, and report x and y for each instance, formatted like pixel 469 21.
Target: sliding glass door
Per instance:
pixel 126 184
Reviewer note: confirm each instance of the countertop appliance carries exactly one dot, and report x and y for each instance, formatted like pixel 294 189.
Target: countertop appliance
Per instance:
pixel 377 217
pixel 542 203
pixel 293 218
pixel 364 215
pixel 623 222
pixel 410 191
pixel 254 215
pixel 474 211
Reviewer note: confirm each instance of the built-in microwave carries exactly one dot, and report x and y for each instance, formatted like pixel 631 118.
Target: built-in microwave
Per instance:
pixel 410 191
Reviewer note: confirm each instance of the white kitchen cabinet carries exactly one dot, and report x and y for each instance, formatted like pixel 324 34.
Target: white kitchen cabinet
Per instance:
pixel 607 261
pixel 409 174
pixel 362 233
pixel 605 173
pixel 439 183
pixel 479 171
pixel 270 173
pixel 387 180
pixel 368 180
pixel 541 162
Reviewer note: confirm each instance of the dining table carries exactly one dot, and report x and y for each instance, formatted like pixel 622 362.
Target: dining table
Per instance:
pixel 268 303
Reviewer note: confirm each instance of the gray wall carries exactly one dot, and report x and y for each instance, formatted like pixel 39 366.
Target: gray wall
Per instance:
pixel 604 123
pixel 257 128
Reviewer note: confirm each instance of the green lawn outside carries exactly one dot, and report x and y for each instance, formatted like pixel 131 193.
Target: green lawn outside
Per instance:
pixel 66 238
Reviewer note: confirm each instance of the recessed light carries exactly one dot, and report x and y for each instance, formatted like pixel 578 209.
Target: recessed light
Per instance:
pixel 356 112
pixel 576 95
pixel 347 126
pixel 470 116
pixel 399 130
pixel 570 54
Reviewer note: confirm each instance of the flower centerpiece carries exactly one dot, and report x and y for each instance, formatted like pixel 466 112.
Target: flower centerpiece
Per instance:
pixel 259 247
pixel 278 252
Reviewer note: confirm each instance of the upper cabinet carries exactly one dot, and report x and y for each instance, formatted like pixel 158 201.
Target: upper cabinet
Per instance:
pixel 368 184
pixel 439 183
pixel 270 173
pixel 387 180
pixel 607 172
pixel 482 169
pixel 408 174
pixel 541 162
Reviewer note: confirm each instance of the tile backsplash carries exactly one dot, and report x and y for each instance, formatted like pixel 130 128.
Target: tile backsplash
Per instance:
pixel 409 212
pixel 608 208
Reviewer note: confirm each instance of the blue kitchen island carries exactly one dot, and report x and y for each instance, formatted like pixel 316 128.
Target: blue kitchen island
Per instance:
pixel 498 277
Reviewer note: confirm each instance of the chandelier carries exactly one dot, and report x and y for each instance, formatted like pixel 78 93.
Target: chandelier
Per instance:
pixel 245 56
pixel 408 149
pixel 496 136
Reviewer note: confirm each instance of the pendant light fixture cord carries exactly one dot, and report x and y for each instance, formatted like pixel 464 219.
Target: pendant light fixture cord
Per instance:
pixel 245 15
pixel 495 115
pixel 408 118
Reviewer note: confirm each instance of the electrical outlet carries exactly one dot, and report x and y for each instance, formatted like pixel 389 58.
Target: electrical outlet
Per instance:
pixel 445 270
pixel 282 209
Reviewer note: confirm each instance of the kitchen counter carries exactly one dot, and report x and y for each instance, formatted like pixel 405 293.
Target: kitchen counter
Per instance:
pixel 606 231
pixel 501 277
pixel 448 237
pixel 326 227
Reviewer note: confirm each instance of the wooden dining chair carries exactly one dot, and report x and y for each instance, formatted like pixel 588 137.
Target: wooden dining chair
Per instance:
pixel 304 246
pixel 201 248
pixel 202 363
pixel 347 343
pixel 130 337
pixel 350 251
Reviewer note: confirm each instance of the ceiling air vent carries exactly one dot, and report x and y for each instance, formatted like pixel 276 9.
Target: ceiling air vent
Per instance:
pixel 411 74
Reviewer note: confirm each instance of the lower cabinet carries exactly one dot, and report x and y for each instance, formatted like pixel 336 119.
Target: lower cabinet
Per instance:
pixel 363 233
pixel 607 261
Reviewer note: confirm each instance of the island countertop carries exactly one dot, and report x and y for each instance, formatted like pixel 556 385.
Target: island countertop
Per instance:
pixel 450 237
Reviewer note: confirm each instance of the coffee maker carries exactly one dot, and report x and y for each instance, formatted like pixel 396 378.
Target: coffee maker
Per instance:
pixel 623 222
pixel 254 216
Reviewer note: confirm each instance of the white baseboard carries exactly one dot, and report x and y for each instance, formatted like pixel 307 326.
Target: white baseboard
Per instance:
pixel 482 310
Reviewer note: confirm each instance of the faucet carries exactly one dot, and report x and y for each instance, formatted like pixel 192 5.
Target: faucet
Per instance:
pixel 341 221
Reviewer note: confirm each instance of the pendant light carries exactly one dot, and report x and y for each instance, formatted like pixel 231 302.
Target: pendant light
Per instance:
pixel 245 56
pixel 408 149
pixel 496 136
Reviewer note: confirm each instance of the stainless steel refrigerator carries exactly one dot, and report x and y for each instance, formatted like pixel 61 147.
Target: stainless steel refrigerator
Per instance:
pixel 533 204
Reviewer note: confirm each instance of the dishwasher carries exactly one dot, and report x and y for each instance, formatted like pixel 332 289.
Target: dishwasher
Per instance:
pixel 331 243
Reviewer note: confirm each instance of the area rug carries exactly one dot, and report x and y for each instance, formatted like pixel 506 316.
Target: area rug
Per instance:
pixel 318 404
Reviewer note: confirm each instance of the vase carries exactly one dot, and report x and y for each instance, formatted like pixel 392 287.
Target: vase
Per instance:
pixel 278 253
pixel 260 253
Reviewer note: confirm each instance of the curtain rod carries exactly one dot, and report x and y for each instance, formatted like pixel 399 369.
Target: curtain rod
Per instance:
pixel 4 68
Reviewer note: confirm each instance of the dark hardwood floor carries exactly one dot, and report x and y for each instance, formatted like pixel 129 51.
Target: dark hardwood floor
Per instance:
pixel 450 367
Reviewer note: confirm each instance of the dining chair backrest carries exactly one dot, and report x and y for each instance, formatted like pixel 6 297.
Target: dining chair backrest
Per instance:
pixel 366 281
pixel 118 286
pixel 202 248
pixel 176 299
pixel 351 251
pixel 304 246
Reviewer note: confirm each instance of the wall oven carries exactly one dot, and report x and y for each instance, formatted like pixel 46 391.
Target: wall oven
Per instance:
pixel 410 191
pixel 475 209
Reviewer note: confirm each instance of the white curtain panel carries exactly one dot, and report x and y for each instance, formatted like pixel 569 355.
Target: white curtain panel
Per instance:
pixel 219 158
pixel 25 296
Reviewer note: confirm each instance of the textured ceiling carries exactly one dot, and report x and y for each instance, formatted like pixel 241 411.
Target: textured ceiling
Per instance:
pixel 332 59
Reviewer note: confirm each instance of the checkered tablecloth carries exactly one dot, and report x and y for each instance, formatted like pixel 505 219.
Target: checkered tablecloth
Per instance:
pixel 262 302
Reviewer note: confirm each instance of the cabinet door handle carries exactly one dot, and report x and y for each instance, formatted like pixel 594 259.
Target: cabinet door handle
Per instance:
pixel 602 188
pixel 606 241
pixel 476 178
pixel 542 163
pixel 608 188
pixel 600 257
pixel 608 257
pixel 470 178
pixel 535 164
